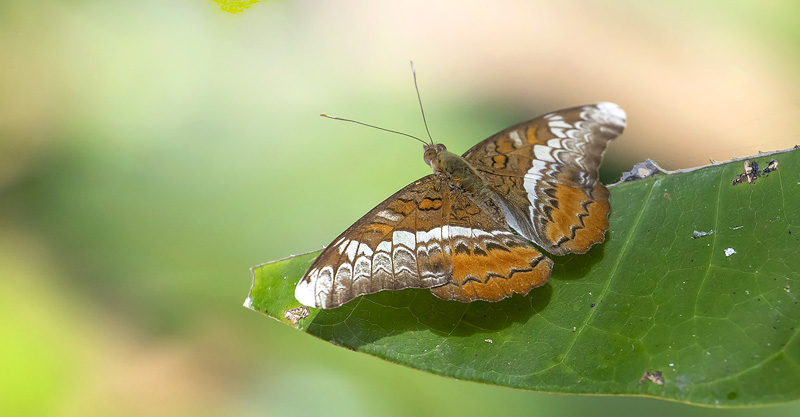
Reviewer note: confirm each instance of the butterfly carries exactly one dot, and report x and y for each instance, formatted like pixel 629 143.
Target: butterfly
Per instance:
pixel 453 231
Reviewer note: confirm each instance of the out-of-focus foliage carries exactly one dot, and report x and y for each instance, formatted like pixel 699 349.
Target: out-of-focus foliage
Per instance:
pixel 235 6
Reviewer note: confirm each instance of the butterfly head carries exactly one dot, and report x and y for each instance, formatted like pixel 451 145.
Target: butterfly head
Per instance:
pixel 432 156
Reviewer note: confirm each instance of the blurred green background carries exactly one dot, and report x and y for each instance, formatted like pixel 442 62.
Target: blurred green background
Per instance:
pixel 151 152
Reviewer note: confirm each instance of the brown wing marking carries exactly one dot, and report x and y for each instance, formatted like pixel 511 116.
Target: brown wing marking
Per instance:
pixel 489 262
pixel 579 221
pixel 495 274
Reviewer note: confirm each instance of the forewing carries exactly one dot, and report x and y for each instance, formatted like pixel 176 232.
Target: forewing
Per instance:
pixel 392 247
pixel 545 175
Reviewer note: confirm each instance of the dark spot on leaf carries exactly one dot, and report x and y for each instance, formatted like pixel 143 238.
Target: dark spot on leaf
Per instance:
pixel 296 314
pixel 749 175
pixel 771 166
pixel 654 377
pixel 732 395
pixel 593 304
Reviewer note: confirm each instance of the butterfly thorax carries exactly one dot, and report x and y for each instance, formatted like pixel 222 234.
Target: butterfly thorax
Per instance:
pixel 460 172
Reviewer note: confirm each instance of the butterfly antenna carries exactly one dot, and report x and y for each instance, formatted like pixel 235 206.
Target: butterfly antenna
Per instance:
pixel 376 127
pixel 414 73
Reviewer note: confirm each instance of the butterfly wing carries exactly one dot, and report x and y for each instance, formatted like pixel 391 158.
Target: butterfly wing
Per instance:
pixel 382 251
pixel 424 236
pixel 490 262
pixel 545 175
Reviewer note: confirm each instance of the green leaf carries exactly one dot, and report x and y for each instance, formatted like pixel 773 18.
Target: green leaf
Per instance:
pixel 721 326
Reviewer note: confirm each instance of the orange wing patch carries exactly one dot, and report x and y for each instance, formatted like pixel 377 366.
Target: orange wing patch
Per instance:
pixel 499 161
pixel 430 204
pixel 495 275
pixel 531 134
pixel 379 229
pixel 579 221
pixel 505 144
pixel 403 207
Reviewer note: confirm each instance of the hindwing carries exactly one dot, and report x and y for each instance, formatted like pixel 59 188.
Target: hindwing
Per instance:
pixel 544 173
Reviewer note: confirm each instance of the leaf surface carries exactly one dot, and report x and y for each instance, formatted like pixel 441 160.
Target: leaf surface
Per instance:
pixel 716 314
